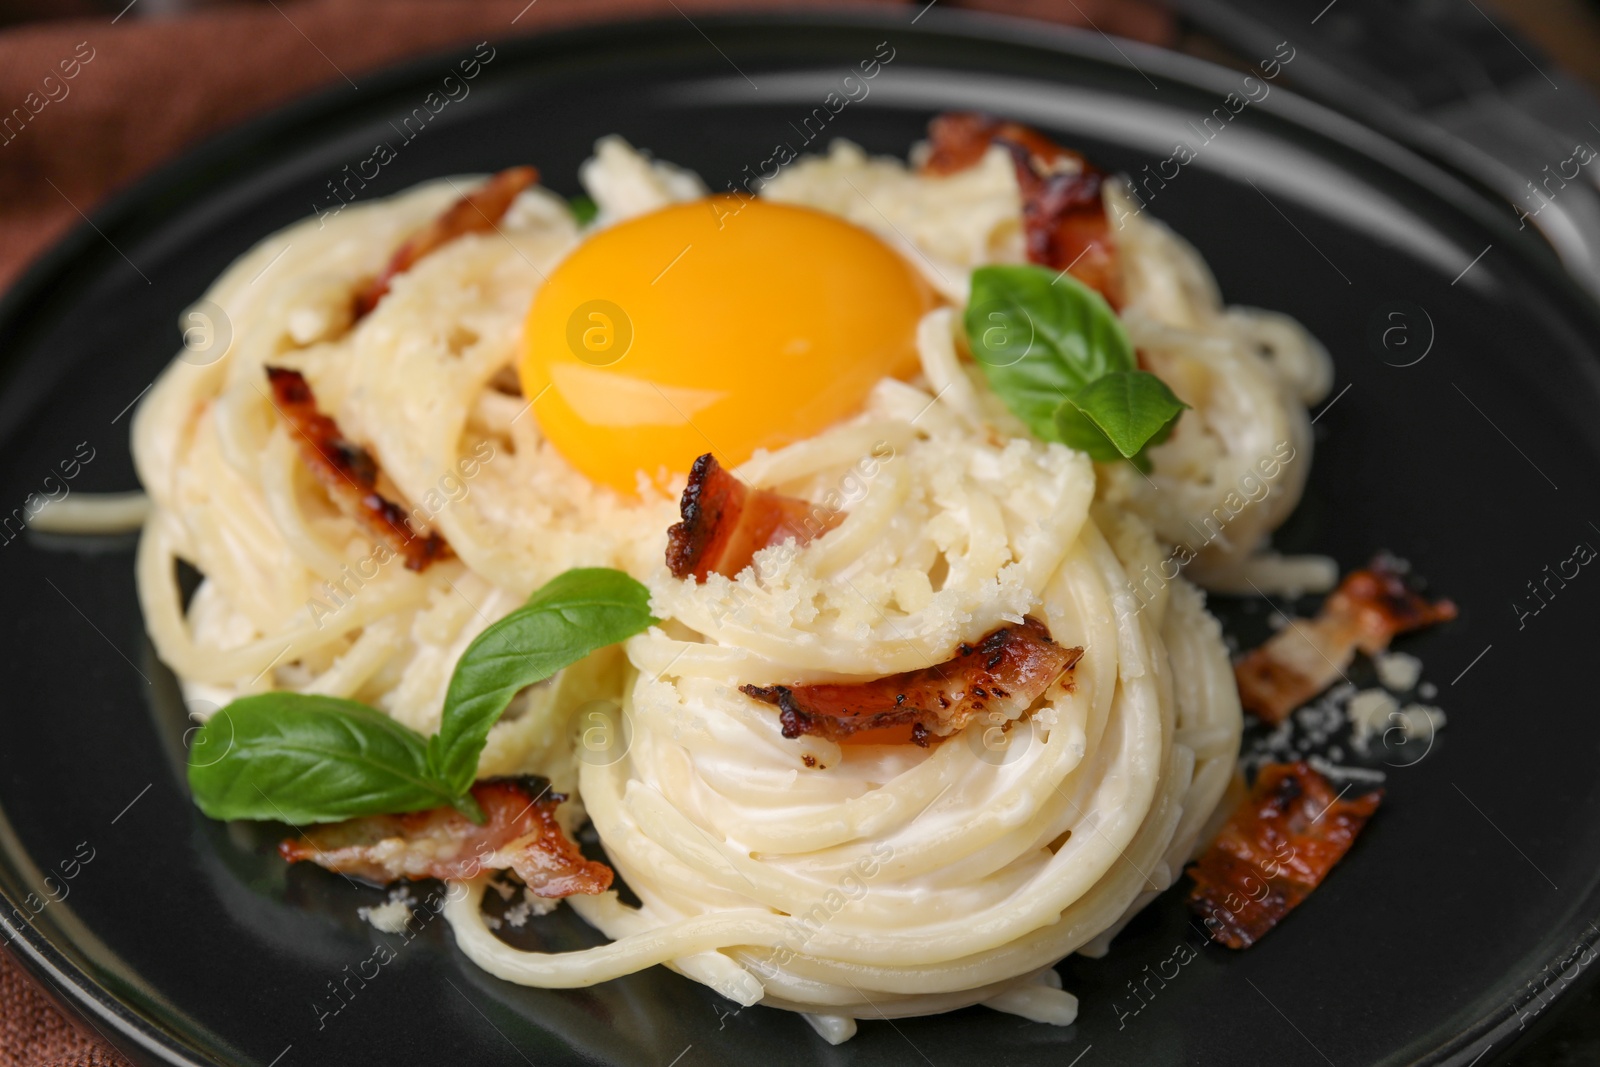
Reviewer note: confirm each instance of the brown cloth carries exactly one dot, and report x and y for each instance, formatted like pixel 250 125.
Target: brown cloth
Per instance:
pixel 86 106
pixel 122 97
pixel 34 1033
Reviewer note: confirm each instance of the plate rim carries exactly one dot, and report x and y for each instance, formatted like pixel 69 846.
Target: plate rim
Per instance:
pixel 51 967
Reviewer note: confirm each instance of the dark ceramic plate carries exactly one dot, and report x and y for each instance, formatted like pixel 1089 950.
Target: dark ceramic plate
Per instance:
pixel 1472 449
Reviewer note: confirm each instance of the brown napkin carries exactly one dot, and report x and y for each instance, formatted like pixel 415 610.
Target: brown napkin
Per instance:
pixel 34 1033
pixel 89 105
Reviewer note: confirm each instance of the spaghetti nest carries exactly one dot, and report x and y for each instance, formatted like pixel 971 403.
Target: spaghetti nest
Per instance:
pixel 852 881
pixel 842 880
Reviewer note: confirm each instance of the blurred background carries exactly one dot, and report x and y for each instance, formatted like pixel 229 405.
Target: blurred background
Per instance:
pixel 1498 90
pixel 1568 31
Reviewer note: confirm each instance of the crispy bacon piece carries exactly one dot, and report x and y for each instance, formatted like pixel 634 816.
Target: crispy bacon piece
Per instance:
pixel 349 472
pixel 476 212
pixel 1000 676
pixel 725 522
pixel 1368 609
pixel 1274 850
pixel 521 834
pixel 958 139
pixel 1063 212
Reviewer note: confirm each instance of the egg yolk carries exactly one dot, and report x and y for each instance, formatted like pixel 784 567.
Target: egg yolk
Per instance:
pixel 721 325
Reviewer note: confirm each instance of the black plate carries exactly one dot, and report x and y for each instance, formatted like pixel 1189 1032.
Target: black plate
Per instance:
pixel 1453 923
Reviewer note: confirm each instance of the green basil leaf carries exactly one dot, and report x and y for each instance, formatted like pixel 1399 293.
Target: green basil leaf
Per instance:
pixel 1118 414
pixel 583 209
pixel 573 615
pixel 1041 337
pixel 305 759
pixel 1075 429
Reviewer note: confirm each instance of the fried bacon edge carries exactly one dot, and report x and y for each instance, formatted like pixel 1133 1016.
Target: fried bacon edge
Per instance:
pixel 520 834
pixel 1000 677
pixel 1365 612
pixel 349 472
pixel 725 523
pixel 1274 850
pixel 476 212
pixel 1063 210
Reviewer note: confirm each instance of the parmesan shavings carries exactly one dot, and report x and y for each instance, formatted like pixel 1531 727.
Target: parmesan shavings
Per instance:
pixel 391 917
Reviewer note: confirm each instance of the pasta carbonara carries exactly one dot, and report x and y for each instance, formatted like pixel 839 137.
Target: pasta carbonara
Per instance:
pixel 825 875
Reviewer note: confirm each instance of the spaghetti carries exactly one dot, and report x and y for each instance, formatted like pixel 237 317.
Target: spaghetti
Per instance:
pixel 839 879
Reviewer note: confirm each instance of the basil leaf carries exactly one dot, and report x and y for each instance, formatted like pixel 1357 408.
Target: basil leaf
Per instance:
pixel 1040 338
pixel 1075 429
pixel 583 209
pixel 573 615
pixel 302 759
pixel 1117 415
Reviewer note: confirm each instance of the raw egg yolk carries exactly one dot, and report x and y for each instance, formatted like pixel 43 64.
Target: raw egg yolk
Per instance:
pixel 721 325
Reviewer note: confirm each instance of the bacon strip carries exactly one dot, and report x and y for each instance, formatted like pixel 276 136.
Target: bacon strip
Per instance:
pixel 1063 212
pixel 349 472
pixel 725 522
pixel 1275 849
pixel 1368 609
pixel 521 834
pixel 1000 677
pixel 476 212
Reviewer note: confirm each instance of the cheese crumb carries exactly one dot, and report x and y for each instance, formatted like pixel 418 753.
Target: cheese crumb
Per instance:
pixel 390 918
pixel 1371 712
pixel 1419 720
pixel 1398 671
pixel 1354 774
pixel 518 914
